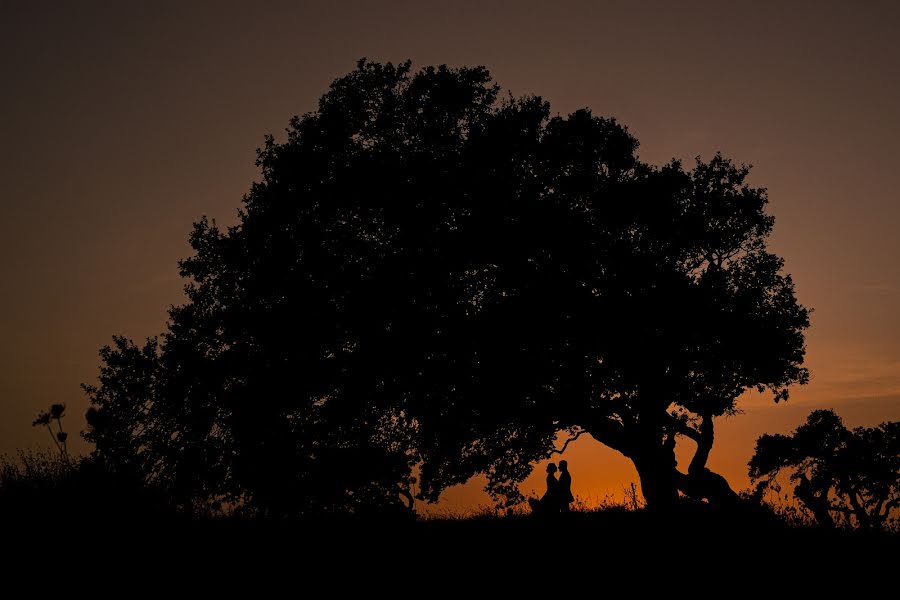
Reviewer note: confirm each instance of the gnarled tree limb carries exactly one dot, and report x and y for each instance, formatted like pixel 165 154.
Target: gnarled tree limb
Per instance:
pixel 569 441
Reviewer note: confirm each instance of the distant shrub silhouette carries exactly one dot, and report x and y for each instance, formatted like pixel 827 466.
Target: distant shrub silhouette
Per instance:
pixel 839 475
pixel 430 273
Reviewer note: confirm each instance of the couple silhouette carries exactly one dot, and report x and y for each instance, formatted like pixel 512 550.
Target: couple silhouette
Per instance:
pixel 559 491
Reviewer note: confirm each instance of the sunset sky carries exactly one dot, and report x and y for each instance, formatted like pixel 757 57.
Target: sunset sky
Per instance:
pixel 123 122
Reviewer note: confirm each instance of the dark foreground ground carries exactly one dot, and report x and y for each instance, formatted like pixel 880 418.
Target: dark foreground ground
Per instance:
pixel 694 551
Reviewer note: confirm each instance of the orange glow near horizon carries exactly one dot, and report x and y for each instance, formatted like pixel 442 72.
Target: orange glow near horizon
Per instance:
pixel 124 123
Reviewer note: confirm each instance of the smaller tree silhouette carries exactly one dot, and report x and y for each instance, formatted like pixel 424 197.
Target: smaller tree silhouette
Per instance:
pixel 835 470
pixel 59 437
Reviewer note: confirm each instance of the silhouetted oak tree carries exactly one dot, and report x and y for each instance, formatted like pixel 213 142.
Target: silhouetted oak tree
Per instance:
pixel 835 470
pixel 430 273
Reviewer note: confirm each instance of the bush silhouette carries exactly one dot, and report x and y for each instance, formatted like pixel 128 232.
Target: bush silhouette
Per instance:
pixel 836 472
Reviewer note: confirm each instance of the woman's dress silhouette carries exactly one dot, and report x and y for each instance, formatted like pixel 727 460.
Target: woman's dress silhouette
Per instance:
pixel 550 501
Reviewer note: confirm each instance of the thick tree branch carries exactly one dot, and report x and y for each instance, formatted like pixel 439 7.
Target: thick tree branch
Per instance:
pixel 610 432
pixel 410 501
pixel 862 517
pixel 569 441
pixel 700 482
pixel 704 438
pixel 682 428
pixel 704 441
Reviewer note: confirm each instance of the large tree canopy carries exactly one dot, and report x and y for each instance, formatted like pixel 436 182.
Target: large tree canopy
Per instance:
pixel 430 273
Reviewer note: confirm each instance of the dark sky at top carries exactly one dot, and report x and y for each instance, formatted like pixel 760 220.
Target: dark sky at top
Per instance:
pixel 123 122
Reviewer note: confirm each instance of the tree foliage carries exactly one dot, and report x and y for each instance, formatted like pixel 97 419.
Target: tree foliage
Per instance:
pixel 431 273
pixel 836 471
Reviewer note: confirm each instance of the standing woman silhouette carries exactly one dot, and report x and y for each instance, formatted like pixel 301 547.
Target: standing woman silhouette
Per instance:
pixel 549 502
pixel 550 499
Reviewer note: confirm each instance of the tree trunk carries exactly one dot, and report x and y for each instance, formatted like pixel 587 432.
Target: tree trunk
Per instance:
pixel 659 478
pixel 652 457
pixel 653 448
pixel 817 503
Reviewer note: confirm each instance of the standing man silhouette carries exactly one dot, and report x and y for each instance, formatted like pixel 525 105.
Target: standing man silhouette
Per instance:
pixel 565 486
